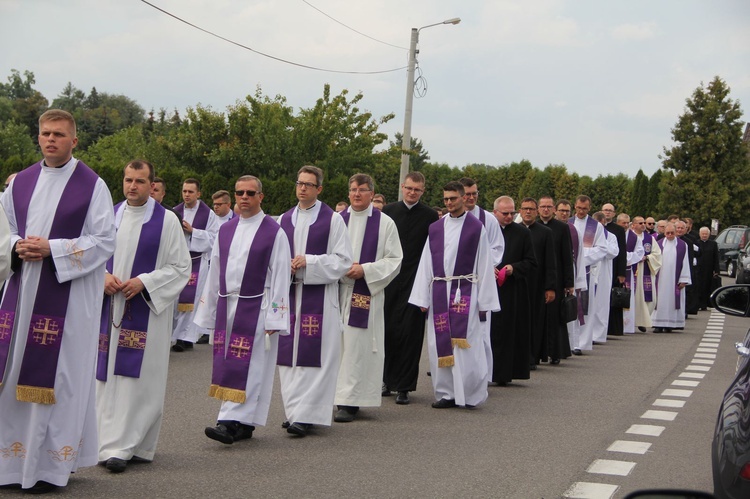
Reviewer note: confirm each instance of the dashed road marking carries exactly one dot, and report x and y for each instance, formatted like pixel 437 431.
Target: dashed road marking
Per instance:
pixel 677 404
pixel 588 490
pixel 660 415
pixel 645 429
pixel 629 447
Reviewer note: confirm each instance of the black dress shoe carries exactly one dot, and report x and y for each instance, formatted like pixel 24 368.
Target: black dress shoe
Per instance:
pixel 228 432
pixel 203 340
pixel 554 362
pixel 177 347
pixel 299 429
pixel 577 351
pixel 641 329
pixel 116 465
pixel 285 424
pixel 444 404
pixel 402 398
pixel 220 433
pixel 429 373
pixel 658 329
pixel 386 392
pixel 532 367
pixel 345 414
pixel 41 487
pixel 187 345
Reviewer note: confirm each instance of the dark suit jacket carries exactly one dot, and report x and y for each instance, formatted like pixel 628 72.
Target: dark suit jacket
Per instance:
pixel 620 261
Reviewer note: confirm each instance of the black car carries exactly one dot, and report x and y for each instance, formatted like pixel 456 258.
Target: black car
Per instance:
pixel 743 266
pixel 730 449
pixel 730 241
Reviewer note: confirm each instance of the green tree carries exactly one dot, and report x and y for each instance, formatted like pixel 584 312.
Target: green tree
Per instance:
pixel 27 103
pixel 654 193
pixel 709 159
pixel 639 199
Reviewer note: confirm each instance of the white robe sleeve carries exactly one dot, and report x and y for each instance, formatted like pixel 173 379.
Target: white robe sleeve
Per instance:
pixel 636 255
pixel 685 273
pixel 612 247
pixel 205 313
pixel 4 246
pixel 487 299
pixel 278 282
pixel 202 240
pixel 76 258
pixel 165 283
pixel 332 266
pixel 381 272
pixel 598 250
pixel 421 291
pixel 495 238
pixel 654 258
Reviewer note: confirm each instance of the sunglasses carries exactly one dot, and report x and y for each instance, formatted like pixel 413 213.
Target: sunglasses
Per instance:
pixel 239 194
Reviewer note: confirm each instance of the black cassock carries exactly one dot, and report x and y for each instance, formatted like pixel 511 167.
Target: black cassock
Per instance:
pixel 541 279
pixel 691 291
pixel 708 266
pixel 404 323
pixel 558 344
pixel 510 328
pixel 615 326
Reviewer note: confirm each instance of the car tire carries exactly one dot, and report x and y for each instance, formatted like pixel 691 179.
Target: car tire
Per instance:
pixel 731 268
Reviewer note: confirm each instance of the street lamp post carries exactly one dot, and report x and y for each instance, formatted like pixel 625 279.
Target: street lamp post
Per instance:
pixel 406 138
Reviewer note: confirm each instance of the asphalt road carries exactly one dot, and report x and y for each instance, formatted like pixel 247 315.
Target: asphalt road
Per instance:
pixel 531 439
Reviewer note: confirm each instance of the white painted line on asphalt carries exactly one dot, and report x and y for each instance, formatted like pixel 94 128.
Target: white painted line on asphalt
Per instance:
pixel 661 415
pixel 706 350
pixel 692 375
pixel 629 446
pixel 682 382
pixel 703 361
pixel 705 355
pixel 698 368
pixel 589 490
pixel 672 392
pixel 610 467
pixel 669 403
pixel 714 328
pixel 707 342
pixel 712 335
pixel 645 429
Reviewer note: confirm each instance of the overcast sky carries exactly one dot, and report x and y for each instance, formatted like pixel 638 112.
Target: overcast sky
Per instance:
pixel 595 85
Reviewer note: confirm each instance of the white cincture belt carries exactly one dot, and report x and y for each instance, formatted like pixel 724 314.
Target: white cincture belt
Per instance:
pixel 472 278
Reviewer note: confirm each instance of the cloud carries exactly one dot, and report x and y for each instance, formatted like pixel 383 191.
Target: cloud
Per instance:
pixel 636 32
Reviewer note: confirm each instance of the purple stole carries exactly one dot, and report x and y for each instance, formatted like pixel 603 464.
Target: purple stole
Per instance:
pixel 186 301
pixel 313 296
pixel 450 315
pixel 681 250
pixel 359 314
pixel 36 381
pixel 589 234
pixel 231 366
pixel 632 270
pixel 131 343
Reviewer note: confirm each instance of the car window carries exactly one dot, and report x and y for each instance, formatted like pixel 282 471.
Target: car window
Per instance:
pixel 721 238
pixel 732 237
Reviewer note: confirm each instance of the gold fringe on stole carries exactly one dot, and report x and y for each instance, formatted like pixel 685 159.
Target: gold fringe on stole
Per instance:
pixel 460 342
pixel 446 361
pixel 229 394
pixel 185 307
pixel 35 394
pixel 212 390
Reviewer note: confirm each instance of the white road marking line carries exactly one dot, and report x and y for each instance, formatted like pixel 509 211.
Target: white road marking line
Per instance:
pixel 706 350
pixel 705 355
pixel 672 392
pixel 629 446
pixel 692 375
pixel 589 490
pixel 703 361
pixel 698 368
pixel 610 467
pixel 645 429
pixel 669 403
pixel 661 415
pixel 682 382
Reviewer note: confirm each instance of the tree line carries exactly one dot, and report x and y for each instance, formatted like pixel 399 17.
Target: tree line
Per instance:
pixel 704 174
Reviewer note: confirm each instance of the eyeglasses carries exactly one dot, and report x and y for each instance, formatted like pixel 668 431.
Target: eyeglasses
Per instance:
pixel 359 191
pixel 239 194
pixel 564 211
pixel 471 194
pixel 506 213
pixel 309 185
pixel 219 204
pixel 450 199
pixel 545 207
pixel 412 189
pixel 528 208
pixel 649 223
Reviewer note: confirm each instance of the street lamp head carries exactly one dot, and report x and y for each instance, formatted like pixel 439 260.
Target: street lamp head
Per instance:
pixel 455 20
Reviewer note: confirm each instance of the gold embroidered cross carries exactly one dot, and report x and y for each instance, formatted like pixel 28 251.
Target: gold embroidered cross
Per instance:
pixel 132 339
pixel 193 279
pixel 441 323
pixel 460 307
pixel 240 347
pixel 361 301
pixel 17 449
pixel 103 343
pixel 45 329
pixel 310 326
pixel 6 325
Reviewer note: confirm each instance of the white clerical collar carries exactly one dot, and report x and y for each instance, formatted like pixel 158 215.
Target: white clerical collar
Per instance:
pixel 252 219
pixel 410 206
pixel 197 203
pixel 67 166
pixel 309 208
pixel 364 213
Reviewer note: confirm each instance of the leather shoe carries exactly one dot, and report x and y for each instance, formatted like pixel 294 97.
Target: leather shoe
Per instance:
pixel 203 340
pixel 577 351
pixel 41 487
pixel 228 432
pixel 532 367
pixel 116 465
pixel 386 392
pixel 554 362
pixel 285 424
pixel 177 347
pixel 641 329
pixel 345 414
pixel 187 345
pixel 444 404
pixel 298 429
pixel 220 433
pixel 402 398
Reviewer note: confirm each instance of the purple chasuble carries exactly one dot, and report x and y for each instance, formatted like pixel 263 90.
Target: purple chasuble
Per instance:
pixel 186 300
pixel 131 343
pixel 681 250
pixel 589 234
pixel 450 314
pixel 36 380
pixel 359 314
pixel 313 296
pixel 231 365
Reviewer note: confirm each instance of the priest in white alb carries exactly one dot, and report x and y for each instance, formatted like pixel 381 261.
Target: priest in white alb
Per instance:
pixel 4 248
pixel 309 357
pixel 376 249
pixel 641 277
pixel 671 281
pixel 62 232
pixel 601 277
pixel 246 304
pixel 150 267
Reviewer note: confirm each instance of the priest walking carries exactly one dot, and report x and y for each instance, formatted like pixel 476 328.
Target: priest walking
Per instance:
pixel 377 254
pixel 62 232
pixel 672 279
pixel 150 267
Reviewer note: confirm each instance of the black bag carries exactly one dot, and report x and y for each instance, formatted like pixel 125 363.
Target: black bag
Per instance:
pixel 620 297
pixel 715 282
pixel 569 308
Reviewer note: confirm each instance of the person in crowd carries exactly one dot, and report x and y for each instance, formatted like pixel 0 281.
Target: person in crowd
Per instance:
pixel 671 281
pixel 708 267
pixel 378 201
pixel 223 207
pixel 641 277
pixel 341 206
pixel 614 225
pixel 651 225
pixel 691 290
pixel 601 278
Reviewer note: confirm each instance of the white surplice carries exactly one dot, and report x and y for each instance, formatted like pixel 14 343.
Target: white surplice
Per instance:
pixel 48 442
pixel 363 350
pixel 222 220
pixel 308 392
pixel 4 246
pixel 601 276
pixel 635 316
pixel 199 241
pixel 254 411
pixel 665 314
pixel 582 335
pixel 465 381
pixel 129 410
